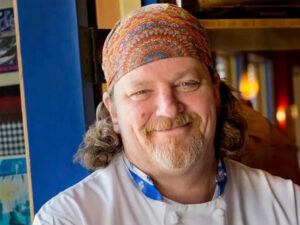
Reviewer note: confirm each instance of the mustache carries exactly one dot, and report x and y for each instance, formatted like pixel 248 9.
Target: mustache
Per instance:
pixel 168 123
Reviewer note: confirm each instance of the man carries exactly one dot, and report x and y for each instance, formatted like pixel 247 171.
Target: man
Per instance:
pixel 160 136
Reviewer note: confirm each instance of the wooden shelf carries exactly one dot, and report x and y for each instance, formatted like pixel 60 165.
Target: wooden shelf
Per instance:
pixel 110 11
pixel 249 23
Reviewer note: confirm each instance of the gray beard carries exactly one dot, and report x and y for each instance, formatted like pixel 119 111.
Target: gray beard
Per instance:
pixel 174 154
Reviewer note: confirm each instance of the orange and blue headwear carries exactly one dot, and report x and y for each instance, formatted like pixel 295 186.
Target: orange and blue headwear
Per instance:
pixel 151 33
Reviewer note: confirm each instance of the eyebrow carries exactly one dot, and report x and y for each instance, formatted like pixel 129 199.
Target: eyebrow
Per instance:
pixel 178 76
pixel 140 83
pixel 181 74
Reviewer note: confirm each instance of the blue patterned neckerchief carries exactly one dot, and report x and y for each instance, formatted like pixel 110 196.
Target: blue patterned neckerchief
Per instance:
pixel 144 183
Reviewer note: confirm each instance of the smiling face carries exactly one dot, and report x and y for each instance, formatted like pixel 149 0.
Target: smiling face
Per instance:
pixel 165 112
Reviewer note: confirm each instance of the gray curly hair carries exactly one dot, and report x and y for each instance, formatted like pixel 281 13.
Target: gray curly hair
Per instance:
pixel 101 143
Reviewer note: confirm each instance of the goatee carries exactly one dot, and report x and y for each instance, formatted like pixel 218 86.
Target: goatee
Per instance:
pixel 176 152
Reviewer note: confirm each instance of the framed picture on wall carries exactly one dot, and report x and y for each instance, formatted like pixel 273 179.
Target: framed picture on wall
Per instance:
pixel 8 50
pixel 14 199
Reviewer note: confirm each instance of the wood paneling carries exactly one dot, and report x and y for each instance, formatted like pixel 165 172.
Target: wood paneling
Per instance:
pixel 23 106
pixel 110 11
pixel 249 23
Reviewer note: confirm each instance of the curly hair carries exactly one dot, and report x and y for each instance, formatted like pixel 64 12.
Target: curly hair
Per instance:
pixel 101 143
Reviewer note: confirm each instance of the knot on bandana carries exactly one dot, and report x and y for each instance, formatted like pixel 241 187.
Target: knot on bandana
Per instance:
pixel 151 33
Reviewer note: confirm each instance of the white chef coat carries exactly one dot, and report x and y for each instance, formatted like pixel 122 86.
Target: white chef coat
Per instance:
pixel 110 197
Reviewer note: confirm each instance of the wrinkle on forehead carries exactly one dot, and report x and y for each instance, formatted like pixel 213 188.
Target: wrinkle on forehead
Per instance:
pixel 192 66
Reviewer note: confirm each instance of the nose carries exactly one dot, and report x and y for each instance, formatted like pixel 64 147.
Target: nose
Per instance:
pixel 168 104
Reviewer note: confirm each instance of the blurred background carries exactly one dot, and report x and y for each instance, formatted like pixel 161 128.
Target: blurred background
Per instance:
pixel 51 83
pixel 14 196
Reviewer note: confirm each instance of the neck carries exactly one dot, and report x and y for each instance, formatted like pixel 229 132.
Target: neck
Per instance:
pixel 195 185
pixel 192 185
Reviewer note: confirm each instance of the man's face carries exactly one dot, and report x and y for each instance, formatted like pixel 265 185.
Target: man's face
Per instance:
pixel 165 112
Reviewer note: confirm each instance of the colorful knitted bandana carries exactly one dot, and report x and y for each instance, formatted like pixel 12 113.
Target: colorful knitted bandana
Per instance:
pixel 151 33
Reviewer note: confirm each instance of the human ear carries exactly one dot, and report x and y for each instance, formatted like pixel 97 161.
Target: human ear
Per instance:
pixel 112 111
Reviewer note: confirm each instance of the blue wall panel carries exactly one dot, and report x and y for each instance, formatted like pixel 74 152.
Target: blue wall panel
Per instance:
pixel 53 93
pixel 239 70
pixel 270 98
pixel 148 2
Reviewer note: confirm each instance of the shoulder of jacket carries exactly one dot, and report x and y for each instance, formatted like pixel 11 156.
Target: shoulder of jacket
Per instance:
pixel 256 179
pixel 97 185
pixel 98 180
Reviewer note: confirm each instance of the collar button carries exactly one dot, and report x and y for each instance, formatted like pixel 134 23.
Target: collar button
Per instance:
pixel 219 213
pixel 174 218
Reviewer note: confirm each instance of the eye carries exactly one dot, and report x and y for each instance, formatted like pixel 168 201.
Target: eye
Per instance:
pixel 189 85
pixel 140 95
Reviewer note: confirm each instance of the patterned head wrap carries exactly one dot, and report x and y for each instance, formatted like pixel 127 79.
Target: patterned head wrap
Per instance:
pixel 153 32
